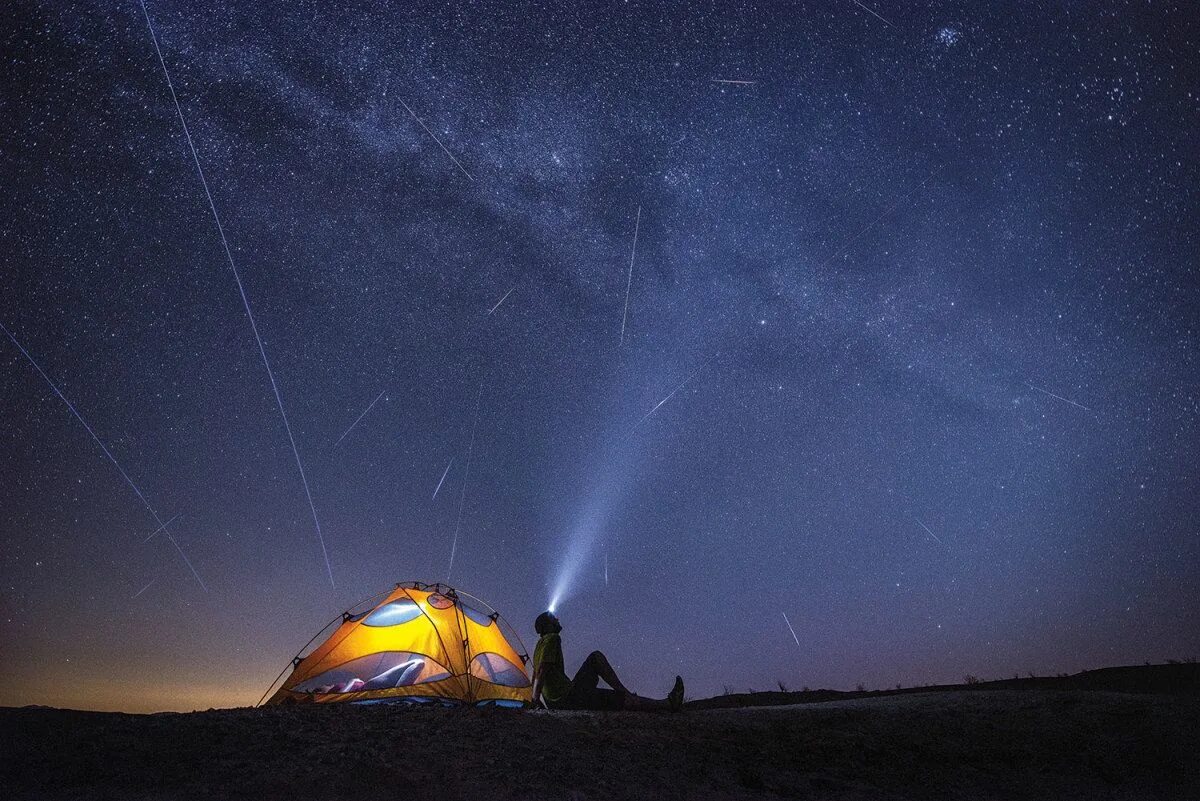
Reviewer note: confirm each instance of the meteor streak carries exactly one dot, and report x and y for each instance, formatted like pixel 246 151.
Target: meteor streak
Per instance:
pixel 462 498
pixel 439 141
pixel 739 83
pixel 792 630
pixel 241 290
pixel 143 589
pixel 629 281
pixel 360 417
pixel 930 533
pixel 1061 398
pixel 869 11
pixel 664 400
pixel 506 294
pixel 107 452
pixel 444 474
pixel 160 528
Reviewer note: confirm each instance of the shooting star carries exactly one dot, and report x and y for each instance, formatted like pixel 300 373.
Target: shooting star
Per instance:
pixel 730 80
pixel 506 294
pixel 360 417
pixel 869 11
pixel 930 533
pixel 106 451
pixel 445 473
pixel 606 568
pixel 143 589
pixel 664 400
pixel 792 630
pixel 163 527
pixel 439 141
pixel 241 290
pixel 629 281
pixel 1061 398
pixel 462 498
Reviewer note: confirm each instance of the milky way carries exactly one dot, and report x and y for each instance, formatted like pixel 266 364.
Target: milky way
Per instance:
pixel 937 262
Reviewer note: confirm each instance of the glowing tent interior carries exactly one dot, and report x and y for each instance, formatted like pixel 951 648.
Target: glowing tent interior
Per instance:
pixel 420 643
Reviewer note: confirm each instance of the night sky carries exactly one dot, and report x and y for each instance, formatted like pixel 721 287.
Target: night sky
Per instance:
pixel 921 278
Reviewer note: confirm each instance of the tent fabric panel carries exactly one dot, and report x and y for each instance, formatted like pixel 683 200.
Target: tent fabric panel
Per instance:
pixel 453 631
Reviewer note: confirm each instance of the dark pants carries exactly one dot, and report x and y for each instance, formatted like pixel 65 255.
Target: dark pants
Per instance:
pixel 585 694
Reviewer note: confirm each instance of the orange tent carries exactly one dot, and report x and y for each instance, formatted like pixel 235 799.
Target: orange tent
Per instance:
pixel 420 643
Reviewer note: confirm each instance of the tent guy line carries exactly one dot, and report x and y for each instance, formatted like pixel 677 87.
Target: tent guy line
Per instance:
pixel 106 451
pixel 241 290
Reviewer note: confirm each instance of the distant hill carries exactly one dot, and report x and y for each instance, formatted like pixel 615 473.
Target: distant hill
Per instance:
pixel 1181 678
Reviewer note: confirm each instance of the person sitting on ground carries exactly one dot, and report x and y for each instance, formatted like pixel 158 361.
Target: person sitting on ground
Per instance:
pixel 552 687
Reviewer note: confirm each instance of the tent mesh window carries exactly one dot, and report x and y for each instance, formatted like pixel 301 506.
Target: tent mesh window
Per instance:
pixel 394 613
pixel 498 670
pixel 375 672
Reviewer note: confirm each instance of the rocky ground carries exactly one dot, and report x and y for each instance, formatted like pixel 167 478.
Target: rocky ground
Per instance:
pixel 989 744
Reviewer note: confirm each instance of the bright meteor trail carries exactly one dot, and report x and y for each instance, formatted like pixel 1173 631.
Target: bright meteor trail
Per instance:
pixel 792 630
pixel 360 417
pixel 1060 397
pixel 629 281
pixel 445 473
pixel 664 400
pixel 162 527
pixel 462 498
pixel 107 452
pixel 930 533
pixel 506 294
pixel 439 141
pixel 241 290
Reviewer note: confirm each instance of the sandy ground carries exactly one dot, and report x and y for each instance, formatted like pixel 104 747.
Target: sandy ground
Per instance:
pixel 950 745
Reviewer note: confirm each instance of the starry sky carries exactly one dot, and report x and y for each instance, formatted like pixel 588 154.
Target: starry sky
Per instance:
pixel 906 354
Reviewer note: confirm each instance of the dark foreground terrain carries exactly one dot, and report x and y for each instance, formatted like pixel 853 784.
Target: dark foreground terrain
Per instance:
pixel 978 744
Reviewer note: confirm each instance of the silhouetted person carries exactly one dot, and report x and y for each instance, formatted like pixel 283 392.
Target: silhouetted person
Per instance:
pixel 552 687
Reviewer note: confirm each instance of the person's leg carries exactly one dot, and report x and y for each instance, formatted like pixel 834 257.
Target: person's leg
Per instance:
pixel 673 701
pixel 595 668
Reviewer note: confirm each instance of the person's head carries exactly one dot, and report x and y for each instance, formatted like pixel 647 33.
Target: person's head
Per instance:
pixel 546 623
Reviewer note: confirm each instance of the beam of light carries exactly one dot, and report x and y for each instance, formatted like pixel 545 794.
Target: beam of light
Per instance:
pixel 664 400
pixel 606 568
pixel 629 281
pixel 792 630
pixel 506 294
pixel 439 141
pixel 869 11
pixel 1061 398
pixel 360 417
pixel 241 289
pixel 162 527
pixel 730 80
pixel 445 473
pixel 462 498
pixel 105 449
pixel 930 533
pixel 143 589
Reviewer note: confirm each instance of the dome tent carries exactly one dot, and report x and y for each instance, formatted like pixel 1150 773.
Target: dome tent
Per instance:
pixel 421 642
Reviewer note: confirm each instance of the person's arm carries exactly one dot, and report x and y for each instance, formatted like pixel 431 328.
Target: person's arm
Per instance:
pixel 537 687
